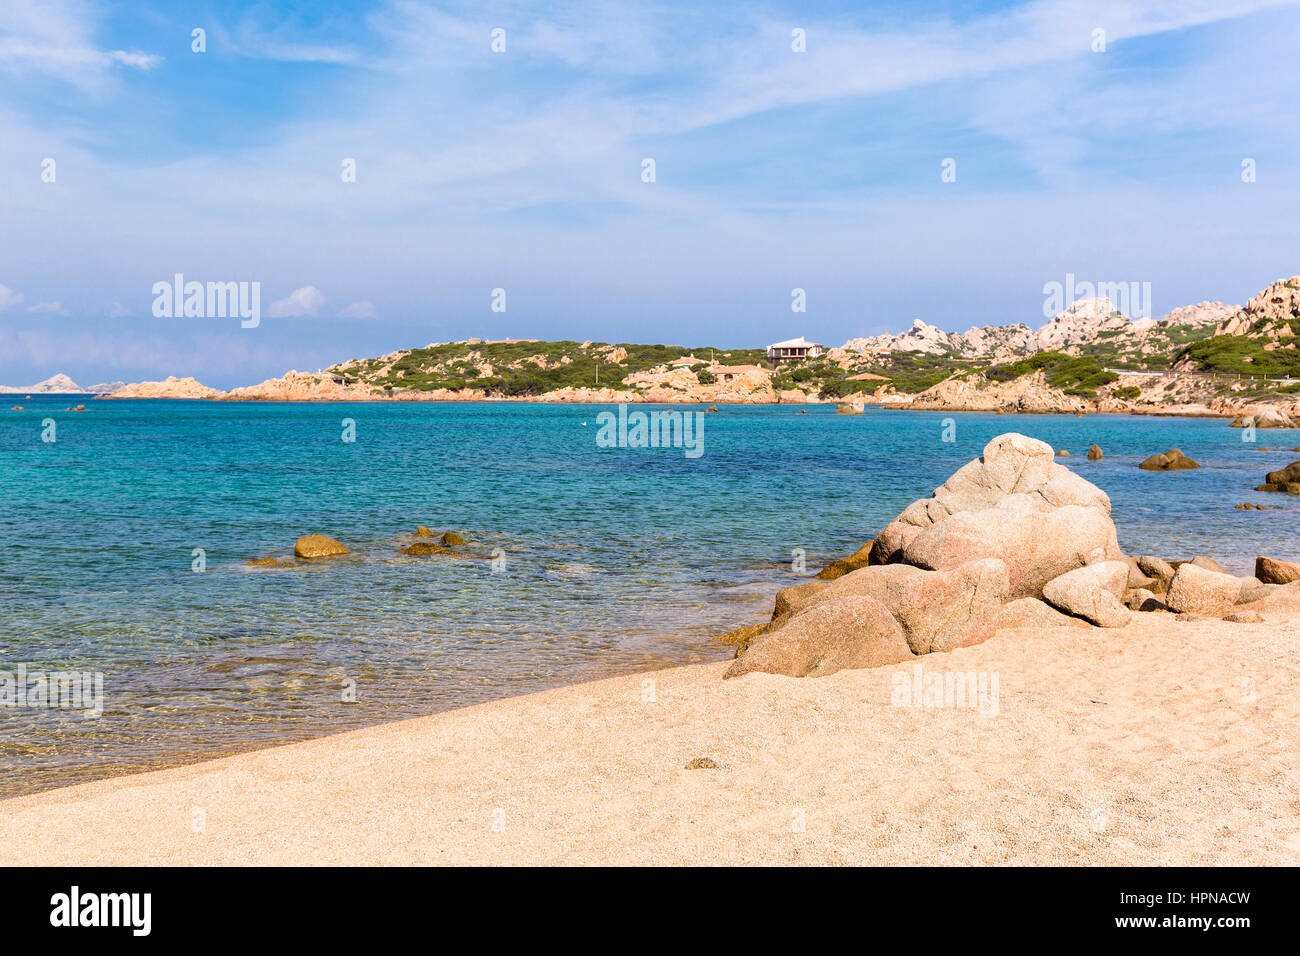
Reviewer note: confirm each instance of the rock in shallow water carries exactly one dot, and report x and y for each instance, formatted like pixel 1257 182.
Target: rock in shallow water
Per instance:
pixel 1172 460
pixel 318 546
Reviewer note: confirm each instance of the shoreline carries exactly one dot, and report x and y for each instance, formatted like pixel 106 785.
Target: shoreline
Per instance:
pixel 535 400
pixel 1125 746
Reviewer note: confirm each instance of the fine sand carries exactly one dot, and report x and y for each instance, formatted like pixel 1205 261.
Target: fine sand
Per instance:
pixel 1163 743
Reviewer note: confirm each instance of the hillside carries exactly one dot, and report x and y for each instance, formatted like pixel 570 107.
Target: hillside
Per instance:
pixel 1208 358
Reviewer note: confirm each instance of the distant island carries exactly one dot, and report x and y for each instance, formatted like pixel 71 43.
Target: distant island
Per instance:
pixel 1206 359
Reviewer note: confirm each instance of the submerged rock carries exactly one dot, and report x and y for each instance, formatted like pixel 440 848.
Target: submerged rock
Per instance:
pixel 269 563
pixel 318 546
pixel 838 568
pixel 1172 460
pixel 423 549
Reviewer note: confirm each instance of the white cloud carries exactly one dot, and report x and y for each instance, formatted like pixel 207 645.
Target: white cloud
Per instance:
pixel 359 310
pixel 55 308
pixel 304 301
pixel 119 311
pixel 9 297
pixel 55 38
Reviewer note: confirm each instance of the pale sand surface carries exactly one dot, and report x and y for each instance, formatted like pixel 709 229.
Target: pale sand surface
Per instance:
pixel 1163 743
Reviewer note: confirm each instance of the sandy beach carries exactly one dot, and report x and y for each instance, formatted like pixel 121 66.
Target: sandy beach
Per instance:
pixel 1162 743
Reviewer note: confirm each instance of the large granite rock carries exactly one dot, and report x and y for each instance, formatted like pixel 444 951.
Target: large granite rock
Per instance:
pixel 1016 504
pixel 849 632
pixel 934 610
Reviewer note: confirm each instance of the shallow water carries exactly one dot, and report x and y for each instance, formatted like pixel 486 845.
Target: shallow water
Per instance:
pixel 614 559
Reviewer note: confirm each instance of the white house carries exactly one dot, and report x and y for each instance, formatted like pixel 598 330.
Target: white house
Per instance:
pixel 793 350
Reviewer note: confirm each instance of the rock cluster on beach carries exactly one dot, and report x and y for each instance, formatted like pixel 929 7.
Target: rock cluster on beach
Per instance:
pixel 1012 539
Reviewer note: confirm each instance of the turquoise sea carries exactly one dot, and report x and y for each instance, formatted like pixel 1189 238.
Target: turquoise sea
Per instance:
pixel 613 559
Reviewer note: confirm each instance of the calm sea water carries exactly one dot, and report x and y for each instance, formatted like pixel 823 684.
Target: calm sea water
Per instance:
pixel 614 559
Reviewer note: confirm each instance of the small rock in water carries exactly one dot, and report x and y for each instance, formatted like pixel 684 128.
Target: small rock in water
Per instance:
pixel 423 532
pixel 451 538
pixel 1172 460
pixel 423 549
pixel 268 563
pixel 1094 452
pixel 1062 454
pixel 318 546
pixel 702 763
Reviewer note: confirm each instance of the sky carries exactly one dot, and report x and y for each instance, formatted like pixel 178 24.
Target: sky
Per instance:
pixel 940 161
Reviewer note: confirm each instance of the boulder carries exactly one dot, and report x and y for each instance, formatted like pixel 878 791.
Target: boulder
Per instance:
pixel 742 637
pixel 1062 454
pixel 451 539
pixel 1201 561
pixel 838 568
pixel 1172 460
pixel 423 532
pixel 1014 503
pixel 848 632
pixel 1271 571
pixel 938 610
pixel 1253 589
pixel 1094 452
pixel 318 546
pixel 796 597
pixel 1160 571
pixel 1036 546
pixel 1137 578
pixel 1264 416
pixel 1195 590
pixel 1031 612
pixel 1092 592
pixel 1284 479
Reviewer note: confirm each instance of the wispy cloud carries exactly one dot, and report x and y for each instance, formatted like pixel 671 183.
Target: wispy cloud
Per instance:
pixel 55 38
pixel 358 310
pixel 9 298
pixel 300 302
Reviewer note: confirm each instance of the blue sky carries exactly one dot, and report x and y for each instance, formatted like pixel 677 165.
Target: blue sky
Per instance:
pixel 522 170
